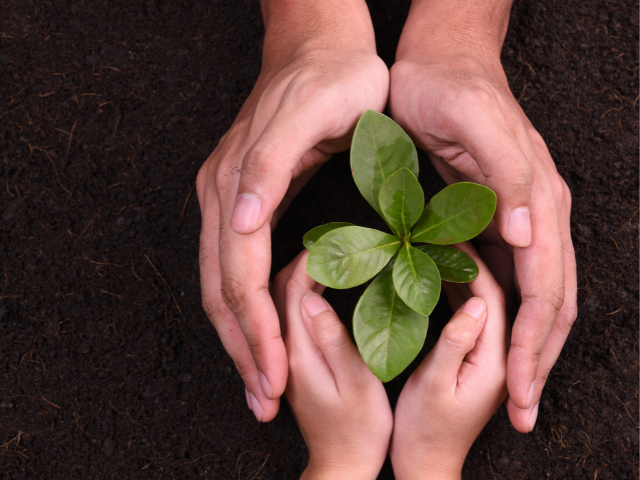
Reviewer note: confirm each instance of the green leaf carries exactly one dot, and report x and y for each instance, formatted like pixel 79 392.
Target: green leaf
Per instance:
pixel 416 279
pixel 456 214
pixel 313 235
pixel 379 149
pixel 349 256
pixel 388 333
pixel 401 201
pixel 453 265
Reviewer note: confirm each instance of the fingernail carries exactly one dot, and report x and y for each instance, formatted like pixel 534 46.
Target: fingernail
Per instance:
pixel 532 390
pixel 475 307
pixel 520 227
pixel 314 304
pixel 246 395
pixel 264 383
pixel 246 212
pixel 533 417
pixel 255 406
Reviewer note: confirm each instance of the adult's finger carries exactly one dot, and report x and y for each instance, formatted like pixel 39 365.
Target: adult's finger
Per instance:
pixel 441 366
pixel 524 420
pixel 284 149
pixel 540 271
pixel 486 136
pixel 221 317
pixel 245 261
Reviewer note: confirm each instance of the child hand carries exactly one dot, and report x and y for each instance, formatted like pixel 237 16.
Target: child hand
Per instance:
pixel 454 392
pixel 340 406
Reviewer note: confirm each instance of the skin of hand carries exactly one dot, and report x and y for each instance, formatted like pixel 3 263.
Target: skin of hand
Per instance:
pixel 451 396
pixel 449 91
pixel 340 406
pixel 320 73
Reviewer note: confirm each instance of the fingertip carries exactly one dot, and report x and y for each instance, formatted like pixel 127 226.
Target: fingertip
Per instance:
pixel 263 408
pixel 519 227
pixel 314 304
pixel 476 308
pixel 523 420
pixel 520 382
pixel 246 213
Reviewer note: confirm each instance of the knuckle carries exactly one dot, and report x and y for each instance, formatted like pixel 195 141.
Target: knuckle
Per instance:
pixel 329 335
pixel 225 175
pixel 234 292
pixel 458 337
pixel 476 99
pixel 201 181
pixel 245 368
pixel 552 299
pixel 260 158
pixel 567 318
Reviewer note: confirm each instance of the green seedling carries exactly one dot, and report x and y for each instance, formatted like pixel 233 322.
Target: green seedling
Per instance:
pixel 391 318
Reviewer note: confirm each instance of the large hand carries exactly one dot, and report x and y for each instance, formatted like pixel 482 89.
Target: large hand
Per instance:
pixel 319 75
pixel 341 407
pixel 449 91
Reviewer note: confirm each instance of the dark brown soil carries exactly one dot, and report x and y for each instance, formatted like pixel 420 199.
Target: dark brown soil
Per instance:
pixel 109 367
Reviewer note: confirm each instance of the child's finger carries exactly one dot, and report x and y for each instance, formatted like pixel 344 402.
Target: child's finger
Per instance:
pixel 440 367
pixel 306 360
pixel 332 338
pixel 279 288
pixel 486 287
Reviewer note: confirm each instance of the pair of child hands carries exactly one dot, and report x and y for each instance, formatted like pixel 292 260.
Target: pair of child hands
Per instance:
pixel 342 408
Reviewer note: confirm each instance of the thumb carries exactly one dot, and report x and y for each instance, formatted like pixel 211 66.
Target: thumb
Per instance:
pixel 332 338
pixel 508 171
pixel 284 149
pixel 458 338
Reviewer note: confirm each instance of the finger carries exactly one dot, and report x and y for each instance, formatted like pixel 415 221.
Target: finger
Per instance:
pixel 524 420
pixel 279 291
pixel 245 261
pixel 491 342
pixel 506 167
pixel 332 338
pixel 286 144
pixel 540 275
pixel 309 369
pixel 221 317
pixel 441 366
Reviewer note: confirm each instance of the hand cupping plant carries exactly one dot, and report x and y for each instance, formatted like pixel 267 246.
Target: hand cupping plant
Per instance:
pixel 391 318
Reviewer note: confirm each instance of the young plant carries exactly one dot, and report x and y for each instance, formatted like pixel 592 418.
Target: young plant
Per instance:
pixel 391 318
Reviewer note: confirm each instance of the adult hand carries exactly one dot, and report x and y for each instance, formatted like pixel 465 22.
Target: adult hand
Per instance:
pixel 449 91
pixel 456 389
pixel 320 73
pixel 340 406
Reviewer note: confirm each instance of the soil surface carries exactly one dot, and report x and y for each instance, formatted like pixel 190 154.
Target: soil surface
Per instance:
pixel 109 367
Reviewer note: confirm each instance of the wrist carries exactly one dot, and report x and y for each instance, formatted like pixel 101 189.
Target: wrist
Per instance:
pixel 412 463
pixel 327 471
pixel 295 28
pixel 437 30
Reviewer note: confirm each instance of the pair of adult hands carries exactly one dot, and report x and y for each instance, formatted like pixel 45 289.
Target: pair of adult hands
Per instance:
pixel 319 75
pixel 342 408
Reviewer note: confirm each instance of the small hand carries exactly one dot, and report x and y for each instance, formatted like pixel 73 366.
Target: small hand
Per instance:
pixel 340 406
pixel 459 385
pixel 460 110
pixel 314 85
